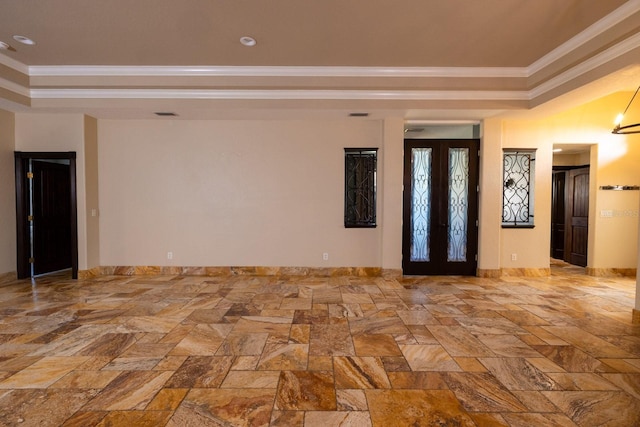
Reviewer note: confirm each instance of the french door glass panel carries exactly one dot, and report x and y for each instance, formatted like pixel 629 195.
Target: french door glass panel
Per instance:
pixel 458 204
pixel 420 203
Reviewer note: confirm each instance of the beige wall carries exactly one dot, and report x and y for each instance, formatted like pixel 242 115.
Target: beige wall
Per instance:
pixel 92 210
pixel 7 194
pixel 59 132
pixel 257 193
pixel 530 246
pixel 614 159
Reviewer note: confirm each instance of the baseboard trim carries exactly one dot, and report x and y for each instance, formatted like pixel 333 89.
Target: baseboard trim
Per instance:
pixel 89 274
pixel 489 273
pixel 611 272
pixel 243 271
pixel 8 277
pixel 526 272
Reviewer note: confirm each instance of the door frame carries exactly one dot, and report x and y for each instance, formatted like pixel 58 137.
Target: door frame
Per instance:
pixel 473 198
pixel 23 245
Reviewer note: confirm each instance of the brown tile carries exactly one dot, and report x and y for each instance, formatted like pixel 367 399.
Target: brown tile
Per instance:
pixel 488 420
pixel 351 400
pixel 518 374
pixel 83 419
pixel 129 391
pixel 293 357
pixel 529 419
pixel 251 379
pixel 306 391
pixel 167 399
pixel 417 380
pixel 376 345
pixel 337 418
pixel 416 407
pixel 596 408
pixel 236 407
pixel 331 340
pixel 395 364
pixel 287 419
pixel 428 358
pixel 360 373
pixel 201 372
pixel 481 392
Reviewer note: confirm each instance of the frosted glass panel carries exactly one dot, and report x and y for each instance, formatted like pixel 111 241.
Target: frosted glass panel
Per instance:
pixel 420 203
pixel 458 204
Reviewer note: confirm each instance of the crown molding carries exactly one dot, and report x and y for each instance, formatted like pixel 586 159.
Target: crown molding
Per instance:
pixel 13 64
pixel 609 21
pixel 274 71
pixel 592 63
pixel 276 94
pixel 14 87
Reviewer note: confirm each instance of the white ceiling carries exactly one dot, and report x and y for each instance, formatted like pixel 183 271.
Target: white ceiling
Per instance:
pixel 418 59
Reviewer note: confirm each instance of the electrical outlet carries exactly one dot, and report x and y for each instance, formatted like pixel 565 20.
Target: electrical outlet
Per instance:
pixel 325 256
pixel 514 257
pixel 169 255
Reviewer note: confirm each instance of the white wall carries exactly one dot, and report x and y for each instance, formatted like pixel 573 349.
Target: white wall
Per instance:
pixel 224 193
pixel 7 194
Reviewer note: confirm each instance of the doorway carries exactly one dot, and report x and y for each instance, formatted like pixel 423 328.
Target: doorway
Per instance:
pixel 440 207
pixel 570 214
pixel 46 208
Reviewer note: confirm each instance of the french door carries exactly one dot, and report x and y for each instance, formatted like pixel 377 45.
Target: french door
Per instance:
pixel 440 207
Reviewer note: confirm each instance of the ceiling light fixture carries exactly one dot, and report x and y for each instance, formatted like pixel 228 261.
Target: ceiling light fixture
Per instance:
pixel 24 40
pixel 248 41
pixel 626 129
pixel 4 46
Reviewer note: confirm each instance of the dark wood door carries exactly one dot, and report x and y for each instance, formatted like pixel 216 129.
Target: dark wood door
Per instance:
pixel 51 216
pixel 577 217
pixel 558 184
pixel 440 207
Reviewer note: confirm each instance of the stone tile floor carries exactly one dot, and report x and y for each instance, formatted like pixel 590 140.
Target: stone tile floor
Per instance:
pixel 259 351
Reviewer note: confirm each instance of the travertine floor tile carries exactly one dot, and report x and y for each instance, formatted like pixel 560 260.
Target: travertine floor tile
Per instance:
pixel 311 351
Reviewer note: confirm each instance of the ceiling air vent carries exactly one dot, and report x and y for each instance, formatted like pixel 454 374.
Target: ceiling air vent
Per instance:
pixel 165 114
pixel 358 114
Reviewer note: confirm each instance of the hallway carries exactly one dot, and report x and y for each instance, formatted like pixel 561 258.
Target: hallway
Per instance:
pixel 313 351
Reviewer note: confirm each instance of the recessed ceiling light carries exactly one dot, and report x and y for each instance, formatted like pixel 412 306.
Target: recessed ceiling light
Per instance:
pixel 24 40
pixel 557 150
pixel 4 46
pixel 248 41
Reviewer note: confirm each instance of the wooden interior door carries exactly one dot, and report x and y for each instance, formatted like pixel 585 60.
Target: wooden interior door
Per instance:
pixel 558 184
pixel 46 213
pixel 440 207
pixel 51 216
pixel 577 217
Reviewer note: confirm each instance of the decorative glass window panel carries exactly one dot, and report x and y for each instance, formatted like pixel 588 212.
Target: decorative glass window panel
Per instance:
pixel 360 187
pixel 458 204
pixel 518 188
pixel 420 203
